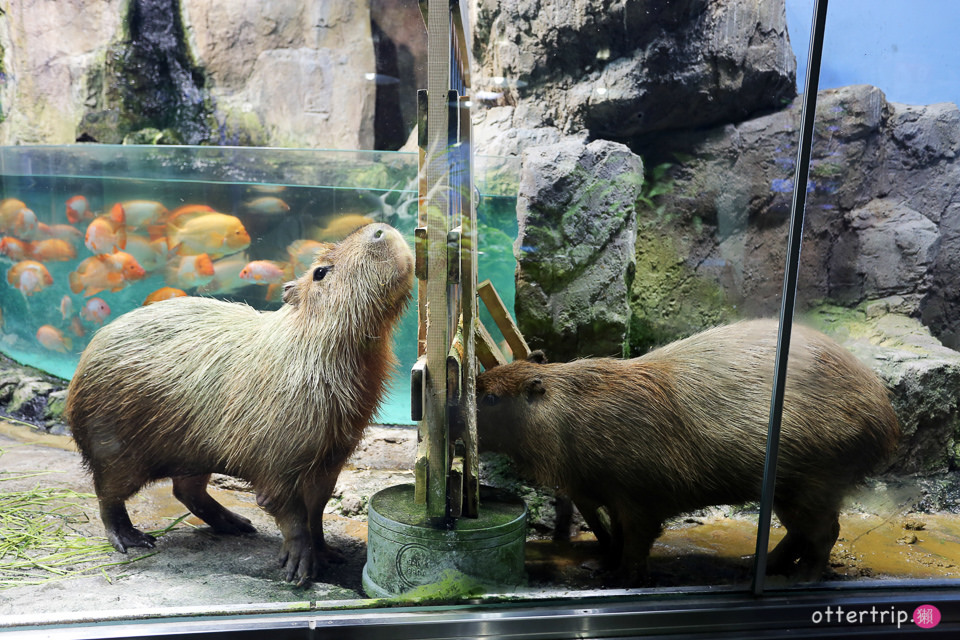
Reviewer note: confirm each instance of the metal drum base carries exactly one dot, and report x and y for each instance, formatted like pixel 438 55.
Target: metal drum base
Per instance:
pixel 406 555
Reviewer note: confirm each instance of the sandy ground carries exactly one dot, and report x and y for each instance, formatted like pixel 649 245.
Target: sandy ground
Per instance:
pixel 192 567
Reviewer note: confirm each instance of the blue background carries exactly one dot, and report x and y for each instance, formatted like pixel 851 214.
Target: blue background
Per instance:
pixel 906 48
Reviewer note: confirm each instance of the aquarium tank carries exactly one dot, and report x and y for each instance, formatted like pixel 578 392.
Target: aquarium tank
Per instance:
pixel 643 172
pixel 96 230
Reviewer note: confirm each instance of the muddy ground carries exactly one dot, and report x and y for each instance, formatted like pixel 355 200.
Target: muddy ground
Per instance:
pixel 192 567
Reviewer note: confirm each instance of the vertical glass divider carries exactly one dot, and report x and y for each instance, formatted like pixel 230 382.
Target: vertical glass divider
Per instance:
pixel 788 297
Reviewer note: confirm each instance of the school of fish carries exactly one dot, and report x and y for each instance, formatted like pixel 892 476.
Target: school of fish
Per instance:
pixel 194 248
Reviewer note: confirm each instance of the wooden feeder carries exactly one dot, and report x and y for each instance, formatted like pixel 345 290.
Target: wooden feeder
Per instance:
pixel 445 535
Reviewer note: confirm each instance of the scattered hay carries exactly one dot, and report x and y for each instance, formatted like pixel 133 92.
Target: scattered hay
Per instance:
pixel 39 540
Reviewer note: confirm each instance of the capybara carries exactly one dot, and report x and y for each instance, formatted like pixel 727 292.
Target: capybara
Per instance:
pixel 190 386
pixel 685 427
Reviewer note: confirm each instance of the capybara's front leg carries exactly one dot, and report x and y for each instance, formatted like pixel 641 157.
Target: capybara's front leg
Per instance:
pixel 192 492
pixel 120 531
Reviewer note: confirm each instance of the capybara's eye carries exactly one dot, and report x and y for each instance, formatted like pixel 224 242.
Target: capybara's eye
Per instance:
pixel 320 272
pixel 491 399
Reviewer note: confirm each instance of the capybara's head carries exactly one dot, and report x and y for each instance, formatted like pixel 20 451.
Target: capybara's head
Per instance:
pixel 364 280
pixel 507 400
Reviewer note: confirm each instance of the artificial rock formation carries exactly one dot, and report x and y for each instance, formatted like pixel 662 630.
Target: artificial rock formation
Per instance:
pixel 277 73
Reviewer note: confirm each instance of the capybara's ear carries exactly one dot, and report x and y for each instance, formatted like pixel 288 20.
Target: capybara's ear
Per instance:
pixel 537 356
pixel 534 388
pixel 291 295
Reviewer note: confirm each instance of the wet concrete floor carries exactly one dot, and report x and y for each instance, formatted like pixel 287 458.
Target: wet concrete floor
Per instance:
pixel 715 547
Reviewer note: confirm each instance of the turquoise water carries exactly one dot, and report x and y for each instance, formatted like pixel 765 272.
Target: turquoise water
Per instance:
pixel 350 187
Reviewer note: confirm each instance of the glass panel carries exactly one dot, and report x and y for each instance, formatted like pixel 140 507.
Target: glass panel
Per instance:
pixel 878 276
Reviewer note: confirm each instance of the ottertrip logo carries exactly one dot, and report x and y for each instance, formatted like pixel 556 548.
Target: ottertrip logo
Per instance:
pixel 925 616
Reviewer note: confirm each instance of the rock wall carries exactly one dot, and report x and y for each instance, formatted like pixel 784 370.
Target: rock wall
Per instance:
pixel 575 247
pixel 622 68
pixel 880 216
pixel 48 47
pixel 274 73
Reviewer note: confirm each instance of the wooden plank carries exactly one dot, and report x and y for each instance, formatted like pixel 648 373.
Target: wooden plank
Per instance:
pixel 493 303
pixel 488 353
pixel 469 310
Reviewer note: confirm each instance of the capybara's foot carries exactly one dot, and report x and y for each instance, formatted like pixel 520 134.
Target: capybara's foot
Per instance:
pixel 231 523
pixel 122 538
pixel 120 531
pixel 298 560
pixel 192 492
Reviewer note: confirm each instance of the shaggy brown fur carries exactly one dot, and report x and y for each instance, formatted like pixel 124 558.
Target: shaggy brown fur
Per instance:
pixel 685 427
pixel 190 386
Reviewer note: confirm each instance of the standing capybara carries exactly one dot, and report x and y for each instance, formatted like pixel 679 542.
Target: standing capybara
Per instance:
pixel 685 427
pixel 190 386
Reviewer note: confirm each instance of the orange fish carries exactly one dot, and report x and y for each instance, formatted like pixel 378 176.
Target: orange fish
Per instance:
pixel 78 209
pixel 164 293
pixel 53 339
pixel 216 234
pixel 63 231
pixel 226 275
pixel 190 271
pixel 14 249
pixel 267 205
pixel 340 227
pixel 266 272
pixel 66 307
pixel 77 327
pixel 52 250
pixel 29 276
pixel 17 219
pixel 150 253
pixel 137 214
pixel 95 311
pixel 105 271
pixel 184 212
pixel 301 254
pixel 105 235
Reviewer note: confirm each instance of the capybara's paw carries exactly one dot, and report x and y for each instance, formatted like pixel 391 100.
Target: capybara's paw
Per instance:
pixel 298 561
pixel 122 538
pixel 233 524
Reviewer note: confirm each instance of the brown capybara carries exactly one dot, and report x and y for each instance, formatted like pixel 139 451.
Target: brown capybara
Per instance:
pixel 685 427
pixel 190 386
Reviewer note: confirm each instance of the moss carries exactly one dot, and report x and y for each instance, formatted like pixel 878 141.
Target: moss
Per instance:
pixel 669 300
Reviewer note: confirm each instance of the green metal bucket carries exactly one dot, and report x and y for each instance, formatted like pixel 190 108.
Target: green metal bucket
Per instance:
pixel 408 555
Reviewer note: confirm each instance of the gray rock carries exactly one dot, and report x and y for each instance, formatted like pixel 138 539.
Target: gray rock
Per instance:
pixel 878 216
pixel 575 247
pixel 922 374
pixel 621 68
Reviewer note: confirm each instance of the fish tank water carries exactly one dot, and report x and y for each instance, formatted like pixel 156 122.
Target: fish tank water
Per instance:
pixel 170 208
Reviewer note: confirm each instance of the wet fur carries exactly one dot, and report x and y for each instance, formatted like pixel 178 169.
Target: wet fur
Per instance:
pixel 685 426
pixel 190 386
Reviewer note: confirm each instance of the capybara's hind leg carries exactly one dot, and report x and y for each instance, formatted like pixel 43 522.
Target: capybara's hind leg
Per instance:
pixel 120 531
pixel 192 492
pixel 317 493
pixel 805 549
pixel 113 489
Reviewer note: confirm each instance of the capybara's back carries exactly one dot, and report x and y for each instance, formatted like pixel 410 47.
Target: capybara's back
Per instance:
pixel 190 386
pixel 685 427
